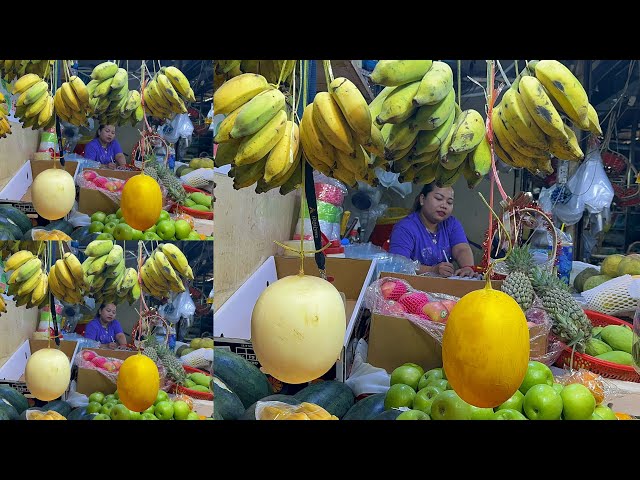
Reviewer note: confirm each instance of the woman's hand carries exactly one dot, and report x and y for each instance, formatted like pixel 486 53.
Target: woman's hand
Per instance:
pixel 466 272
pixel 444 269
pixel 112 345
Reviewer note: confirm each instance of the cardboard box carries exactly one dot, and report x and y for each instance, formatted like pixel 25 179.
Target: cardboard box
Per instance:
pixel 91 201
pixel 18 190
pixel 90 381
pixel 232 322
pixel 12 372
pixel 394 341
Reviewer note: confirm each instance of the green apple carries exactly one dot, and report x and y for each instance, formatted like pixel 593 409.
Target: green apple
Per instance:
pixel 102 416
pixel 208 238
pixel 577 402
pixel 508 414
pixel 605 413
pixel 413 415
pixel 150 409
pixel 165 229
pixel 122 220
pixel 150 236
pixel 537 373
pixel 98 217
pixel 183 229
pixel 112 217
pixel 135 415
pixel 433 374
pixel 136 234
pixel 440 383
pixel 180 410
pixel 116 395
pixel 558 387
pixel 97 397
pixel 164 215
pixel 448 405
pixel 119 213
pixel 478 413
pixel 164 410
pixel 414 365
pixel 148 416
pixel 541 402
pixel 107 407
pixel 96 227
pixel 111 398
pixel 123 232
pixel 94 407
pixel 514 403
pixel 151 229
pixel 193 235
pixel 595 416
pixel 408 375
pixel 120 412
pixel 399 395
pixel 193 416
pixel 161 396
pixel 105 236
pixel 424 398
pixel 109 227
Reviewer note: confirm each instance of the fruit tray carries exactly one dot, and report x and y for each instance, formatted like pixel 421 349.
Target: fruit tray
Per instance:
pixel 194 213
pixel 601 367
pixel 187 391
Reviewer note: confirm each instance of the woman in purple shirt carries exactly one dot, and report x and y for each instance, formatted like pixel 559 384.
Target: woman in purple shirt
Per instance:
pixel 105 148
pixel 104 328
pixel 432 236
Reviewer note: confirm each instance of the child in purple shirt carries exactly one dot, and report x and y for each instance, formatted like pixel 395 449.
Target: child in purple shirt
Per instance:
pixel 432 236
pixel 105 148
pixel 104 328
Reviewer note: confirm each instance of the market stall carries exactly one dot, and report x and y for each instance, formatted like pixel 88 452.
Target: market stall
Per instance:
pixel 528 340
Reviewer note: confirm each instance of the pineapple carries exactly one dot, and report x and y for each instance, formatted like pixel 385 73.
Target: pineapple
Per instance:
pixel 517 284
pixel 151 353
pixel 174 367
pixel 569 320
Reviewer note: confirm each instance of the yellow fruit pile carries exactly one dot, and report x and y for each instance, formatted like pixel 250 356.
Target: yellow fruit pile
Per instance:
pixel 304 411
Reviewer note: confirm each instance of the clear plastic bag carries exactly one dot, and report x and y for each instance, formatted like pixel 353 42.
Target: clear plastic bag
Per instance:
pixel 385 261
pixel 544 346
pixel 109 186
pixel 601 388
pixel 284 411
pixel 182 305
pixel 180 127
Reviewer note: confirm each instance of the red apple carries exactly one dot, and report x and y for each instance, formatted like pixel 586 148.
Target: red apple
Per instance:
pixel 109 366
pixel 111 186
pixel 98 361
pixel 88 355
pixel 386 288
pixel 392 308
pixel 449 304
pixel 89 175
pixel 100 181
pixel 436 311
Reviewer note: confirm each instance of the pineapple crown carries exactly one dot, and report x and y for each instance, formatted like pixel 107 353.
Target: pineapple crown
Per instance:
pixel 542 279
pixel 520 259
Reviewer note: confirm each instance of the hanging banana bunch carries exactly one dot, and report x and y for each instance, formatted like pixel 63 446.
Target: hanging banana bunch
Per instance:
pixel 166 93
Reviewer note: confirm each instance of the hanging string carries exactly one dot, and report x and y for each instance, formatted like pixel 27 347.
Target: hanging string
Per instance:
pixel 460 84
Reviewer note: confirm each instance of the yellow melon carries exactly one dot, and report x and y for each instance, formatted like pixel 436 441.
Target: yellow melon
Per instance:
pixel 141 202
pixel 138 382
pixel 53 193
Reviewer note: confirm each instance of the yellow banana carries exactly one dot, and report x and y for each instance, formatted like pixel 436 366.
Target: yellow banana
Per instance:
pixel 331 123
pixel 33 93
pixel 435 85
pixel 180 82
pixel 425 174
pixel 80 89
pixel 225 127
pixel 24 83
pixel 46 113
pixel 565 88
pixel 594 123
pixel 479 159
pixel 104 71
pixel 237 91
pixel 25 271
pixel 133 102
pixel 64 275
pixel 74 266
pixel 375 107
pixel 103 88
pixel 120 79
pixel 162 264
pixel 447 178
pixel 29 284
pixel 430 117
pixel 399 72
pixel 566 149
pixel 355 162
pixel 472 177
pixel 98 265
pixel 165 87
pixel 427 158
pixel 98 248
pixel 400 137
pixel 344 175
pixel 226 153
pixel 255 114
pixel 115 256
pixel 256 146
pixel 453 160
pixel 399 106
pixel 315 146
pixel 353 106
pixel 431 140
pixel 393 155
pixel 283 154
pixel 34 109
pixel 540 107
pixel 468 131
pixel 17 260
pixel 281 179
pixel 177 259
pixel 515 140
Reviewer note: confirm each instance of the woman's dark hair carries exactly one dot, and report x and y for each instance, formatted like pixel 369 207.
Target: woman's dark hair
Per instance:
pixel 102 305
pixel 100 128
pixel 425 190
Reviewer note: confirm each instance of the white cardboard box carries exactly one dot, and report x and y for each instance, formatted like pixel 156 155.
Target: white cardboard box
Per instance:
pixel 232 322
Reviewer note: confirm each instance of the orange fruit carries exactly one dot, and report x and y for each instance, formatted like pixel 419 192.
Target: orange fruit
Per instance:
pixel 141 202
pixel 623 416
pixel 590 380
pixel 138 382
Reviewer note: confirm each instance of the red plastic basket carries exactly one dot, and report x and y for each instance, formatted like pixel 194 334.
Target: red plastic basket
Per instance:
pixel 187 391
pixel 601 367
pixel 194 213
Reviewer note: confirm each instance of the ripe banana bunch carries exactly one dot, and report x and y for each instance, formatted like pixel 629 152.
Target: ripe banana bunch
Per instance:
pixel 339 138
pixel 71 101
pixel 270 69
pixel 164 271
pixel 35 104
pixel 530 122
pixel 66 279
pixel 12 69
pixel 165 95
pixel 5 127
pixel 257 138
pixel 28 282
pixel 109 100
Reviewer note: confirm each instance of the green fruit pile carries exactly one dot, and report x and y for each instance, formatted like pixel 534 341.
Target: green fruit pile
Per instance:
pixel 418 395
pixel 109 407
pixel 612 343
pixel 199 382
pixel 114 227
pixel 198 201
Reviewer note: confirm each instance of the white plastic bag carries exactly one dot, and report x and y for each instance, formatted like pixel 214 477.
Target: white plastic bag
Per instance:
pixel 179 127
pixel 364 377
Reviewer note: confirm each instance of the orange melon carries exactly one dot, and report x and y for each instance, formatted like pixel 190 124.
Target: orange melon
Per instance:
pixel 141 202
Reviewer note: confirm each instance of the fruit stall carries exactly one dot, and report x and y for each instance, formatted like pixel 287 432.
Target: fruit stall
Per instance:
pixel 157 115
pixel 524 341
pixel 160 371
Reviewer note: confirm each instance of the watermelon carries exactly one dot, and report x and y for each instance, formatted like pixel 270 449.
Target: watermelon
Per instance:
pixel 12 227
pixel 15 398
pixel 241 376
pixel 61 225
pixel 225 402
pixel 388 415
pixel 335 397
pixel 27 235
pixel 367 408
pixel 80 414
pixel 80 232
pixel 7 412
pixel 16 216
pixel 60 406
pixel 5 233
pixel 250 413
pixel 24 415
pixel 217 416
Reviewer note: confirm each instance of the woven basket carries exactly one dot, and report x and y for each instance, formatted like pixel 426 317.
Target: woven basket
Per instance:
pixel 187 391
pixel 194 213
pixel 601 367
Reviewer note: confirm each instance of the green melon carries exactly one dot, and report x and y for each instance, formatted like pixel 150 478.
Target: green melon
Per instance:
pixel 225 402
pixel 367 408
pixel 15 398
pixel 335 397
pixel 241 376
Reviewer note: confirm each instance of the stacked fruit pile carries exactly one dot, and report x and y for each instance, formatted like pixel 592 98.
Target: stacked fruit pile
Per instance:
pixel 529 125
pixel 612 266
pixel 109 407
pixel 256 137
pixel 165 271
pixel 35 105
pixel 28 282
pixel 613 343
pixel 5 127
pixel 165 95
pixel 418 395
pixel 90 359
pixel 426 135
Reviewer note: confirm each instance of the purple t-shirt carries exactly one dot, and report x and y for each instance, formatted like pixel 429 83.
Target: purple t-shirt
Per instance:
pixel 95 151
pixel 411 239
pixel 95 331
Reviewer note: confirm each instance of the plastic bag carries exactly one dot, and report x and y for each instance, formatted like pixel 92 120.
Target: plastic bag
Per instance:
pixel 544 347
pixel 385 261
pixel 599 387
pixel 78 219
pixel 181 306
pixel 77 400
pixel 201 358
pixel 179 127
pixel 592 183
pixel 109 186
pixel 284 411
pixel 367 379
